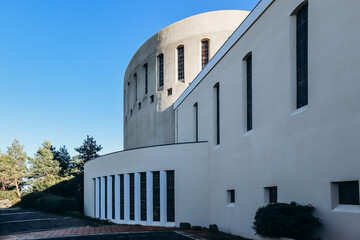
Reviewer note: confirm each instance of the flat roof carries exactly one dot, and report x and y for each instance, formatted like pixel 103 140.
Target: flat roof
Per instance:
pixel 238 33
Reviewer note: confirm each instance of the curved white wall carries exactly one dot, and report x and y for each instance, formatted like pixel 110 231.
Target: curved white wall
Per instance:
pixel 154 123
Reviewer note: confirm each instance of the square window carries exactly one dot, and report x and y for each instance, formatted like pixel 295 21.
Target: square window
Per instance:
pixel 231 196
pixel 169 92
pixel 151 98
pixel 349 192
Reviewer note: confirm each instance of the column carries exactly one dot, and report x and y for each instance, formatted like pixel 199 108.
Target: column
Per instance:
pixel 162 197
pixel 97 198
pixel 149 198
pixel 109 197
pixel 126 198
pixel 102 198
pixel 117 198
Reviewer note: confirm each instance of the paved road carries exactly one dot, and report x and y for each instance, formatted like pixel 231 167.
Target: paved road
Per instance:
pixel 130 236
pixel 18 221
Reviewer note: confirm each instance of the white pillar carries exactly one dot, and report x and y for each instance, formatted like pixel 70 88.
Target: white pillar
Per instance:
pixel 126 198
pixel 109 197
pixel 149 198
pixel 102 198
pixel 137 198
pixel 97 197
pixel 117 198
pixel 162 197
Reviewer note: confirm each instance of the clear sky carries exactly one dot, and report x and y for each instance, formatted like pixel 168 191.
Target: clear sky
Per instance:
pixel 62 64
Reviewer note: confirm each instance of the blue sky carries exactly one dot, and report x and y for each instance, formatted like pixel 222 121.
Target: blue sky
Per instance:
pixel 62 64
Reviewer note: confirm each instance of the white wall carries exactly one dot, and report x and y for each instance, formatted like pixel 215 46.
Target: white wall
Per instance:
pixel 300 151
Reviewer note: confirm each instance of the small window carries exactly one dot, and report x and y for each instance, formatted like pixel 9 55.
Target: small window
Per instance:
pixel 130 112
pixel 161 70
pixel 151 98
pixel 135 82
pixel 128 83
pixel 169 92
pixel 349 192
pixel 139 105
pixel 126 119
pixel 272 194
pixel 181 67
pixel 231 196
pixel 146 77
pixel 204 53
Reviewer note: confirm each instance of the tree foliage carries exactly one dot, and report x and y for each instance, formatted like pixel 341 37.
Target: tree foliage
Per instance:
pixel 13 167
pixel 63 157
pixel 44 165
pixel 89 149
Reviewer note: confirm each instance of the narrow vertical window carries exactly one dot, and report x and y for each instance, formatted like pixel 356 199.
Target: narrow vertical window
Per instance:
pixel 95 199
pixel 132 196
pixel 273 194
pixel 181 65
pixel 156 196
pixel 204 53
pixel 106 196
pixel 113 196
pixel 146 77
pixel 135 82
pixel 302 57
pixel 249 124
pixel 99 197
pixel 196 122
pixel 217 112
pixel 161 70
pixel 170 196
pixel 122 196
pixel 143 195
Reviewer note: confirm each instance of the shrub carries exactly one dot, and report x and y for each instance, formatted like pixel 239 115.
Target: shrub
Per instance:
pixel 286 220
pixel 11 195
pixel 29 200
pixel 56 204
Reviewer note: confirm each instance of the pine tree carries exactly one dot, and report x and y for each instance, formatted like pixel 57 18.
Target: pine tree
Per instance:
pixel 63 157
pixel 89 149
pixel 44 165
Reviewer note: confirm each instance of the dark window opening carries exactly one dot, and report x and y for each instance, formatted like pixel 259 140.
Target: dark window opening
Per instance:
pixel 95 200
pixel 106 196
pixel 143 208
pixel 181 65
pixel 196 122
pixel 272 191
pixel 156 196
pixel 204 53
pixel 99 197
pixel 349 192
pixel 146 78
pixel 113 196
pixel 122 197
pixel 131 113
pixel 132 197
pixel 249 93
pixel 231 196
pixel 151 98
pixel 139 104
pixel 169 92
pixel 217 109
pixel 135 82
pixel 161 70
pixel 170 196
pixel 302 57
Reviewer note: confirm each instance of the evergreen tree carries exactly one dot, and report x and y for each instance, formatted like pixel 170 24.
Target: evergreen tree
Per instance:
pixel 12 167
pixel 63 157
pixel 89 149
pixel 44 165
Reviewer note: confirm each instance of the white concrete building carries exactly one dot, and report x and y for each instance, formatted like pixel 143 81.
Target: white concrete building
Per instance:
pixel 274 116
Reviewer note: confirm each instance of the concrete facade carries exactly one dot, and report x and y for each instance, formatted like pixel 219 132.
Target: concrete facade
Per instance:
pixel 304 152
pixel 153 123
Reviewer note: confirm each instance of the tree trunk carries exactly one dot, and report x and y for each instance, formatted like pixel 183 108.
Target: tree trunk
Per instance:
pixel 17 188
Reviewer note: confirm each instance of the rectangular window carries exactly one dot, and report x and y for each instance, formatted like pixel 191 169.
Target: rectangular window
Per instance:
pixel 249 93
pixel 349 192
pixel 139 104
pixel 169 92
pixel 122 197
pixel 106 196
pixel 272 192
pixel 302 57
pixel 156 196
pixel 196 122
pixel 151 98
pixel 204 53
pixel 132 196
pixel 181 65
pixel 231 196
pixel 161 70
pixel 143 196
pixel 170 196
pixel 113 196
pixel 99 197
pixel 135 82
pixel 217 112
pixel 146 78
pixel 95 200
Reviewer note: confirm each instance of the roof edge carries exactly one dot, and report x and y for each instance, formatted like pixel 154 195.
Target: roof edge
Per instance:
pixel 259 9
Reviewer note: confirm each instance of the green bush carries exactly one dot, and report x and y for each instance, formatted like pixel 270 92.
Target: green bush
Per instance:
pixel 29 200
pixel 11 195
pixel 56 204
pixel 286 220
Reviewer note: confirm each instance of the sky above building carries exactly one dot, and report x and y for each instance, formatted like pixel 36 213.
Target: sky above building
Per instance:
pixel 62 64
